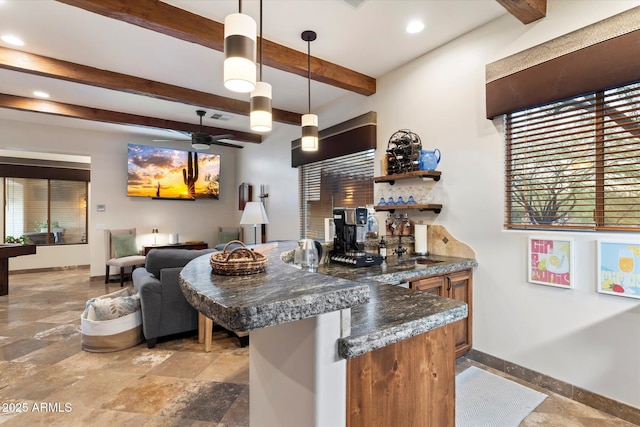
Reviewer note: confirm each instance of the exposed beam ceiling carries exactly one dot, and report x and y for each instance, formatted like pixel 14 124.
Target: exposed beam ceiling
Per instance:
pixel 48 67
pixel 526 11
pixel 175 22
pixel 95 114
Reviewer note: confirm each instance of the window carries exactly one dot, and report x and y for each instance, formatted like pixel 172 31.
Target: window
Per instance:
pixel 48 211
pixel 575 164
pixel 345 181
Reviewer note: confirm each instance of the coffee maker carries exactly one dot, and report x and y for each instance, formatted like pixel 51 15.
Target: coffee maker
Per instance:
pixel 350 234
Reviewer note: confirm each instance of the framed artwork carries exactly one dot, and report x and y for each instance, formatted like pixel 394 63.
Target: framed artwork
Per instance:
pixel 619 268
pixel 550 262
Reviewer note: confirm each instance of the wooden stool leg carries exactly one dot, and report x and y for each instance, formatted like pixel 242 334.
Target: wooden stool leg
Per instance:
pixel 201 330
pixel 208 326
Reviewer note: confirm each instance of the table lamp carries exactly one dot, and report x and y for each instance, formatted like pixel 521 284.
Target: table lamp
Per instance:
pixel 255 214
pixel 155 236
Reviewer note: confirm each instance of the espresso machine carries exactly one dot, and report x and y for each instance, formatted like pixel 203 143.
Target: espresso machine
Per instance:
pixel 350 234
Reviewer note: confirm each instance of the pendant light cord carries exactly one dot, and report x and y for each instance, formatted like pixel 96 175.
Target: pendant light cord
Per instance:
pixel 309 73
pixel 260 59
pixel 239 6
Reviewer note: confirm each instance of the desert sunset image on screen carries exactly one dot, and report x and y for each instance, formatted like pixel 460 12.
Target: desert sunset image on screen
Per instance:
pixel 165 173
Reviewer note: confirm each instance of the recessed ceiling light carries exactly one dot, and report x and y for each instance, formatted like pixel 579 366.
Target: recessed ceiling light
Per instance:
pixel 11 39
pixel 415 27
pixel 40 94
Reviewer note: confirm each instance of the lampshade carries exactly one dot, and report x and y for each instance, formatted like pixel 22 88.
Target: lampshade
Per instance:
pixel 309 132
pixel 260 116
pixel 239 53
pixel 254 213
pixel 309 121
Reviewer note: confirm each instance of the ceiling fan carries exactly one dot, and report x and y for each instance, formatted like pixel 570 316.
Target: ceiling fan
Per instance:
pixel 203 141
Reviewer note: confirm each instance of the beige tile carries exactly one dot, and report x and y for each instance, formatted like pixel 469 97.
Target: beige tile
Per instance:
pixel 90 390
pixel 227 368
pixel 184 364
pixel 147 395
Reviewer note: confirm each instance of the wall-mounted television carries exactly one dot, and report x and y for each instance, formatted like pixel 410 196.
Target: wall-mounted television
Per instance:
pixel 164 173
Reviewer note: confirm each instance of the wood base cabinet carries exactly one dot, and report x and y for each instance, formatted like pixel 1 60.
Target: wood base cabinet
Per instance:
pixel 406 384
pixel 458 286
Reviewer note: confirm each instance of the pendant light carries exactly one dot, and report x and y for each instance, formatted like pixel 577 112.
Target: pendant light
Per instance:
pixel 309 121
pixel 239 52
pixel 260 116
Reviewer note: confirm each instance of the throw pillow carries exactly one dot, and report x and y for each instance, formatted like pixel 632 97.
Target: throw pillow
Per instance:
pixel 114 308
pixel 124 245
pixel 227 236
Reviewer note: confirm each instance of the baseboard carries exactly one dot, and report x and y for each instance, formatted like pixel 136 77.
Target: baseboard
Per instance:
pixel 50 269
pixel 602 403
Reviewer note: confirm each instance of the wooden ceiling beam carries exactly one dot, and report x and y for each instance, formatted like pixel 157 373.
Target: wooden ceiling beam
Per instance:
pixel 526 11
pixel 78 112
pixel 24 62
pixel 181 24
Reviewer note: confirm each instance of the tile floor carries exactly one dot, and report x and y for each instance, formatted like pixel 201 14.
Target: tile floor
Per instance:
pixel 44 371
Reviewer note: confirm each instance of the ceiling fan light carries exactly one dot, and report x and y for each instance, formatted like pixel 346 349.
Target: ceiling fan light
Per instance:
pixel 309 132
pixel 260 117
pixel 240 53
pixel 200 146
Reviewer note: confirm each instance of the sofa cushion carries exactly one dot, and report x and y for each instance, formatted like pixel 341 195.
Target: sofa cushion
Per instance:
pixel 158 259
pixel 124 245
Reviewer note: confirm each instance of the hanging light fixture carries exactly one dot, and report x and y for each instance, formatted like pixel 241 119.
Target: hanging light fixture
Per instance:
pixel 309 121
pixel 260 116
pixel 239 52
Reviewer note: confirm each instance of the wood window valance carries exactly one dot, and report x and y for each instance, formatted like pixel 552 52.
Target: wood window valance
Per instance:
pixel 597 57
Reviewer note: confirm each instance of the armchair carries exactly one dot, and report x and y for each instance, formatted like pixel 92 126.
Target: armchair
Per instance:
pixel 121 252
pixel 165 311
pixel 227 234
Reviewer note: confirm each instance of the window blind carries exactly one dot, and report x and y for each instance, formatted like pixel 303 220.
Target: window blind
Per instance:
pixel 575 164
pixel 345 181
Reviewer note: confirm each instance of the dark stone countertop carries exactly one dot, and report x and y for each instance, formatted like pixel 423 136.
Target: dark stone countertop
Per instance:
pixel 381 314
pixel 395 313
pixel 399 269
pixel 278 295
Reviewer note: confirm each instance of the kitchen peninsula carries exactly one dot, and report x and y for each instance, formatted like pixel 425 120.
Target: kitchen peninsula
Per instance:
pixel 309 329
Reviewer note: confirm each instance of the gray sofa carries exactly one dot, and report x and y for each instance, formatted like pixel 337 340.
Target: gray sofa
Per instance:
pixel 165 311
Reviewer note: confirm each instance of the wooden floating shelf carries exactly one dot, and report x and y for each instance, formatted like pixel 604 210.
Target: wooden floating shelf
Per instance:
pixel 392 208
pixel 391 179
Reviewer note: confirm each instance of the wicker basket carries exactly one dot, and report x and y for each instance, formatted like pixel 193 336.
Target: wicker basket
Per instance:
pixel 240 261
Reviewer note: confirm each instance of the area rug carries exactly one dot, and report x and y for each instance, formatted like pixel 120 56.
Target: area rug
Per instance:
pixel 487 400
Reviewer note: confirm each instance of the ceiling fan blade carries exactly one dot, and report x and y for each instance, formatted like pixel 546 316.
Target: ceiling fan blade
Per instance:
pixel 226 144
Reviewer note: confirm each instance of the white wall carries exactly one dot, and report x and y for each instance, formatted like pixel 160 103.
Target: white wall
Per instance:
pixel 588 339
pixel 196 220
pixel 269 164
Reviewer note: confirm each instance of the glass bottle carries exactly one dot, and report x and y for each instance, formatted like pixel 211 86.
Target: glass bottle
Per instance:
pixel 382 248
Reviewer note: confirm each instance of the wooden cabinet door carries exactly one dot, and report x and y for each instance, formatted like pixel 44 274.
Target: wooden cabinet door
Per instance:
pixel 458 287
pixel 434 285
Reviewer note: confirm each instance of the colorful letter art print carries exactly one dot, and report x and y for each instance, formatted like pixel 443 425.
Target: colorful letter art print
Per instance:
pixel 619 269
pixel 550 262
